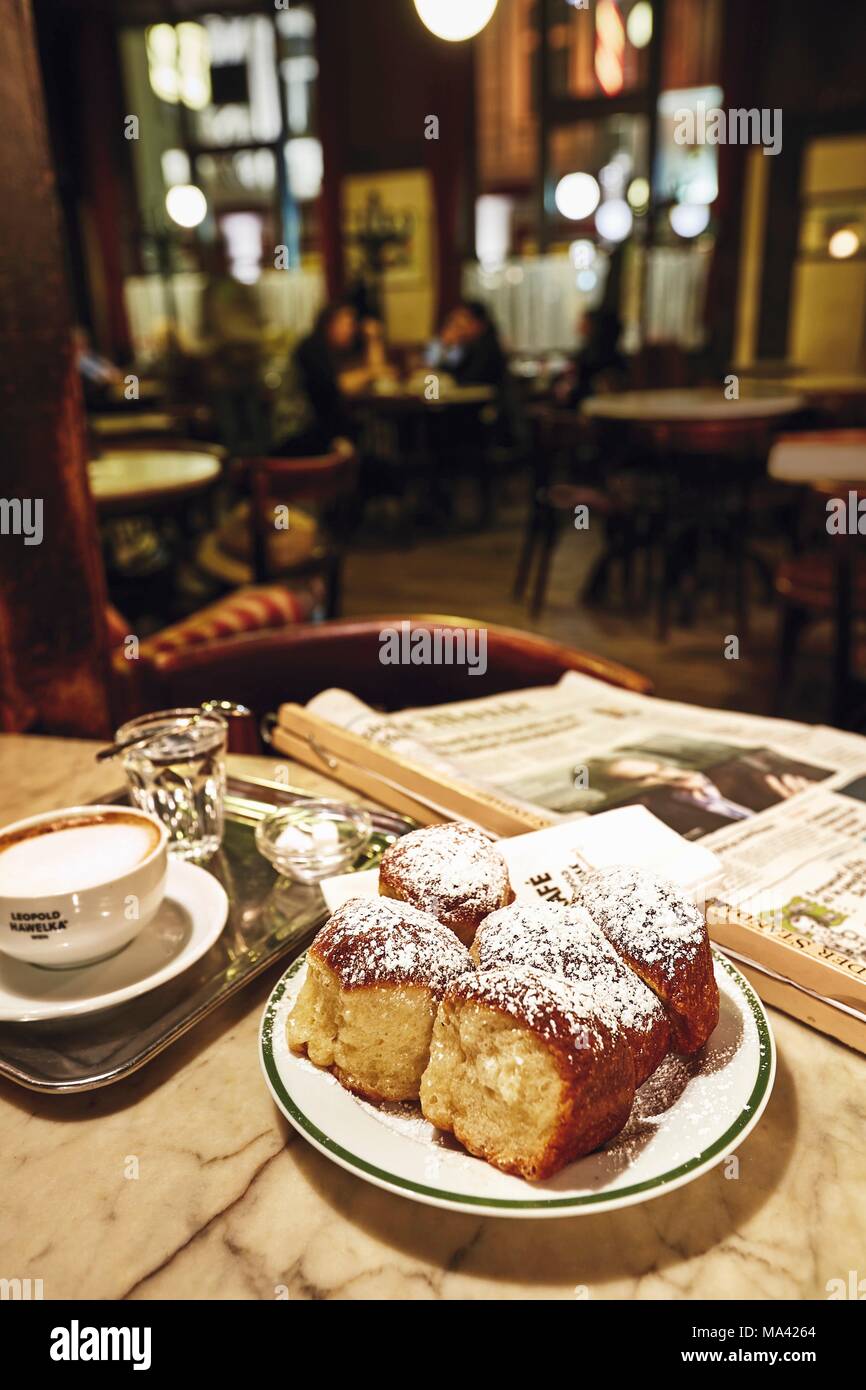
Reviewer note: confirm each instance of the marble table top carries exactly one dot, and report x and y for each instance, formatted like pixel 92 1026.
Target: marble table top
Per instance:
pixel 229 1202
pixel 839 455
pixel 688 406
pixel 140 473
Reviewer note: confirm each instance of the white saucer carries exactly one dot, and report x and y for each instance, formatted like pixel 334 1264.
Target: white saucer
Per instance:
pixel 192 915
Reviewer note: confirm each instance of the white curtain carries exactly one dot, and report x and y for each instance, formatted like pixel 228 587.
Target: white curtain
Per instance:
pixel 290 301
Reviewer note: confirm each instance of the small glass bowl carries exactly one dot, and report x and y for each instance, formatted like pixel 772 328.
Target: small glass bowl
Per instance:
pixel 312 840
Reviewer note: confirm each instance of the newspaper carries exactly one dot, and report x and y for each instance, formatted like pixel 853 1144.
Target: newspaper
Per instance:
pixel 545 865
pixel 781 804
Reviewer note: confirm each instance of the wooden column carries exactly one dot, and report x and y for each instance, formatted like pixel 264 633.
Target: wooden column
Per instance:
pixel 53 668
pixel 381 73
pixel 744 50
pixel 101 118
pixel 451 95
pixel 330 41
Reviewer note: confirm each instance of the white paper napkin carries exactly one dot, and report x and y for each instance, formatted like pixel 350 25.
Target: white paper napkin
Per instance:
pixel 546 864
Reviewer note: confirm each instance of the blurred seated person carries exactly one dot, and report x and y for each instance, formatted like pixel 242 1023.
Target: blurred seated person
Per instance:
pixel 98 374
pixel 340 358
pixel 599 366
pixel 468 347
pixel 233 328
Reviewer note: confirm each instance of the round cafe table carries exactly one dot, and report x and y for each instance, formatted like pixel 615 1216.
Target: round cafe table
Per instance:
pixel 689 407
pixel 837 456
pixel 691 444
pixel 231 1204
pixel 420 435
pixel 124 423
pixel 832 465
pixel 150 480
pixel 399 399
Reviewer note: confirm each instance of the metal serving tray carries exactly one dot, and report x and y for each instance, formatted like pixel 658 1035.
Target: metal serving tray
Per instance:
pixel 270 919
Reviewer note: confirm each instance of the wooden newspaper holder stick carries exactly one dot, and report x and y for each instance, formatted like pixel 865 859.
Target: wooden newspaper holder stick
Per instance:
pixel 411 789
pixel 817 1013
pixel 822 974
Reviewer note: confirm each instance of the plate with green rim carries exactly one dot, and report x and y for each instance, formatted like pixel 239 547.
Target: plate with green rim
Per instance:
pixel 687 1118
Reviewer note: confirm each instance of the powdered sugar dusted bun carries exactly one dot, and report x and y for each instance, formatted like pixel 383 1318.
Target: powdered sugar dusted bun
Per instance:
pixel 452 870
pixel 561 1017
pixel 371 941
pixel 563 941
pixel 662 936
pixel 375 974
pixel 525 1073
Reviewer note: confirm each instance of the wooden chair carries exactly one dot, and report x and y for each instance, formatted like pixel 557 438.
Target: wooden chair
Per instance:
pixel 703 474
pixel 559 435
pixel 265 670
pixel 328 485
pixel 828 585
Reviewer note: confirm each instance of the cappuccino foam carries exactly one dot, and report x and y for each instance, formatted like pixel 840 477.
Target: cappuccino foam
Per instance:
pixel 72 855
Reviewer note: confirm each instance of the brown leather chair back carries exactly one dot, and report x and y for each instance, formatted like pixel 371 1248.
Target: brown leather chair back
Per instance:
pixel 265 670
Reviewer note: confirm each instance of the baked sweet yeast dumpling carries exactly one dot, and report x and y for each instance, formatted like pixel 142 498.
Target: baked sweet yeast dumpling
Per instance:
pixel 562 940
pixel 662 936
pixel 524 1072
pixel 375 975
pixel 451 870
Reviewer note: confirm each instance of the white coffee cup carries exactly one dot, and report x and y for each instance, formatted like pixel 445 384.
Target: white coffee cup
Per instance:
pixel 78 885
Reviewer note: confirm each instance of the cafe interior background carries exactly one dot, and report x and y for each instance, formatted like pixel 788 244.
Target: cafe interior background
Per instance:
pixel 319 318
pixel 200 184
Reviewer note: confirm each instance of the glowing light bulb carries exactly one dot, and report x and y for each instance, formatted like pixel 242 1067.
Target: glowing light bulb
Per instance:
pixel 689 219
pixel 614 220
pixel 639 194
pixel 843 244
pixel 639 25
pixel 186 205
pixel 455 20
pixel 577 196
pixel 609 47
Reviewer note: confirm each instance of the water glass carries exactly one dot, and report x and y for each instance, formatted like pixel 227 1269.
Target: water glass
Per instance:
pixel 179 775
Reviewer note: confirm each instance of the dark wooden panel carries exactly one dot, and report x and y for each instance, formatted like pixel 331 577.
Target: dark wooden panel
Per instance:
pixel 52 597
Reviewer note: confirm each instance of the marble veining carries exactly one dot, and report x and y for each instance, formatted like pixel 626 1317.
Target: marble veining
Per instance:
pixel 185 1182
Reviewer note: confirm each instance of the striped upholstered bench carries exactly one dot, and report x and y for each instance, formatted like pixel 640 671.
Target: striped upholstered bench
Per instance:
pixel 259 608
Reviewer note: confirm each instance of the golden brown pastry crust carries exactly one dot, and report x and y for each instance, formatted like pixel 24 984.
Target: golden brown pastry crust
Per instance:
pixel 563 941
pixel 663 937
pixel 375 975
pixel 594 1064
pixel 371 942
pixel 452 871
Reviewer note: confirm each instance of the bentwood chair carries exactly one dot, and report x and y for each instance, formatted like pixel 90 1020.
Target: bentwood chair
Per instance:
pixel 265 670
pixel 557 491
pixel 319 495
pixel 700 475
pixel 827 584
